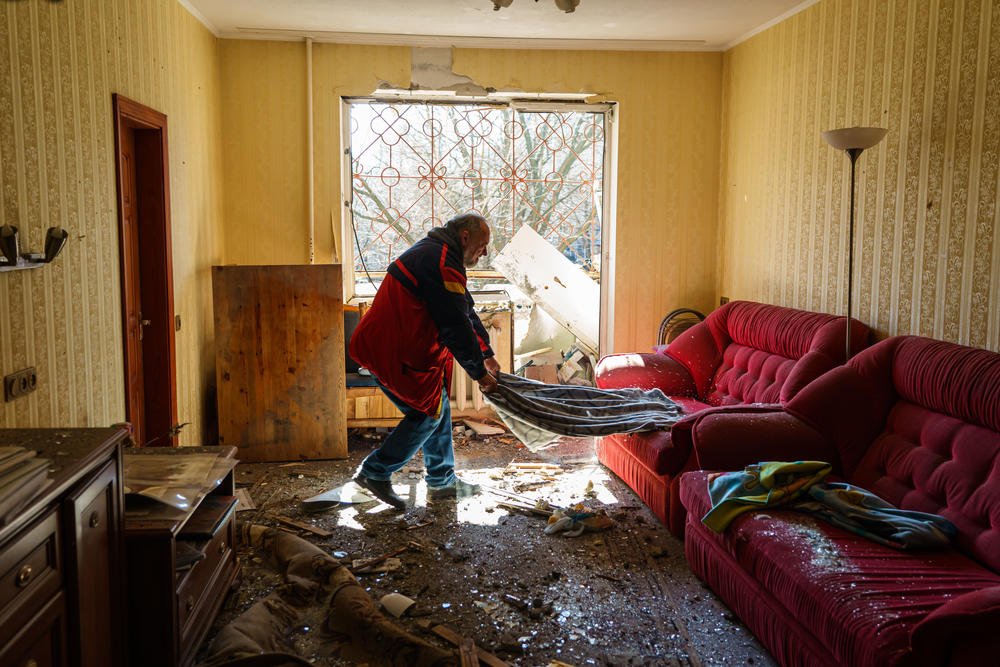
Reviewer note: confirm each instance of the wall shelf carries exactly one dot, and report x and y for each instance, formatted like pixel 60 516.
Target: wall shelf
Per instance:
pixel 26 261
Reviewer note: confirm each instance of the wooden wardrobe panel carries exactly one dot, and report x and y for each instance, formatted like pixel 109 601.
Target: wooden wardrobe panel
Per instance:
pixel 279 351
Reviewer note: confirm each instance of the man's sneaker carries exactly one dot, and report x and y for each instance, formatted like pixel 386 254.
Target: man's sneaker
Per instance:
pixel 457 489
pixel 381 490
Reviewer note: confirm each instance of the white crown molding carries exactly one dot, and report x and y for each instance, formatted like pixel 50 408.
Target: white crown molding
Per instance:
pixel 435 41
pixel 186 4
pixel 773 22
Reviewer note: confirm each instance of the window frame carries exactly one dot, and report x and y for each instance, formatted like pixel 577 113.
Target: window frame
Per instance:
pixel 610 189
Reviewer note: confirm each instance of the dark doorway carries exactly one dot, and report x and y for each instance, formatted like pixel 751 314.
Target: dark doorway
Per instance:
pixel 146 271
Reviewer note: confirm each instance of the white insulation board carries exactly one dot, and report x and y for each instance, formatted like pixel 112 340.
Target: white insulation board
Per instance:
pixel 553 282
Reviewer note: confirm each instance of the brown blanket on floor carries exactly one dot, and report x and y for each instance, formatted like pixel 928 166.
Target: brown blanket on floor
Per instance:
pixel 260 636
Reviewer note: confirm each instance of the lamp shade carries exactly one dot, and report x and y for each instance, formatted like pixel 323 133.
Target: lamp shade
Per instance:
pixel 847 138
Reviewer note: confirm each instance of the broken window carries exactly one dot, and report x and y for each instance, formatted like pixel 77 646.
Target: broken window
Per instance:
pixel 414 165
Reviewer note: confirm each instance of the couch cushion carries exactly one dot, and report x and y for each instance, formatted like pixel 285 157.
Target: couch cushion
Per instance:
pixel 747 352
pixel 931 462
pixel 748 375
pixel 859 598
pixel 960 381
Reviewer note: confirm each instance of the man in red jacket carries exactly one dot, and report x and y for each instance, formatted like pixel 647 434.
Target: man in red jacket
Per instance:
pixel 422 317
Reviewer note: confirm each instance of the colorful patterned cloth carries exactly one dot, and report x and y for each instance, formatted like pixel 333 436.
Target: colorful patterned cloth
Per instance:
pixel 799 485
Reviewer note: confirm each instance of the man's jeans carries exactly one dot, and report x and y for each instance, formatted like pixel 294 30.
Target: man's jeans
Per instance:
pixel 416 430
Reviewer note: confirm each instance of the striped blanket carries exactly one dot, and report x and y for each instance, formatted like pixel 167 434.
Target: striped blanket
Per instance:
pixel 539 413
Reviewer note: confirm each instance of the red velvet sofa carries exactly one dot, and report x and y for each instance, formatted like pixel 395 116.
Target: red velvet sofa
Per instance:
pixel 743 353
pixel 917 422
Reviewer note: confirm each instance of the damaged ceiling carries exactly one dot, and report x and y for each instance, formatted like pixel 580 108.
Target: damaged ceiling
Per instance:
pixel 635 24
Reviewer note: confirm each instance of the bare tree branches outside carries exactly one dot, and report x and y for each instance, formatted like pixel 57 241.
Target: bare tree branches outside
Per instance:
pixel 414 166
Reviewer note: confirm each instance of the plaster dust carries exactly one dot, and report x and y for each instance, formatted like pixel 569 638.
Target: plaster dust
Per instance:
pixel 621 597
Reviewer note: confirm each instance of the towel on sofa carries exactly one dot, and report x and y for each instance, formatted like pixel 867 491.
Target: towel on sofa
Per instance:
pixel 800 486
pixel 537 413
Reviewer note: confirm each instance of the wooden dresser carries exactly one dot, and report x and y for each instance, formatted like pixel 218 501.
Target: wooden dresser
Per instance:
pixel 61 595
pixel 174 608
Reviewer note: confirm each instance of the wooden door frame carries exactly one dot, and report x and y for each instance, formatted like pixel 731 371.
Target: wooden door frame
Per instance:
pixel 156 272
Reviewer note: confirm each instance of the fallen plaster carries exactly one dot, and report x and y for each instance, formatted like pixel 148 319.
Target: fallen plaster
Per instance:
pixel 431 69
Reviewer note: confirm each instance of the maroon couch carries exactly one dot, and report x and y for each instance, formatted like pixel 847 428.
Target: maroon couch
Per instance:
pixel 743 353
pixel 916 421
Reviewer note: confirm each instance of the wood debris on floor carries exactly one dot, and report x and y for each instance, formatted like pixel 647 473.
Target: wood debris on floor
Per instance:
pixel 484 569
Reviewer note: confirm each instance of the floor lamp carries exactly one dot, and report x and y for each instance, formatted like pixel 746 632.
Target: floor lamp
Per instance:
pixel 853 141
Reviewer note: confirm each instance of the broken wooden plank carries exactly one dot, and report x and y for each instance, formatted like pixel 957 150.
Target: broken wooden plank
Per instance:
pixel 321 532
pixel 449 635
pixel 260 508
pixel 376 561
pixel 388 565
pixel 515 496
pixel 535 466
pixel 260 481
pixel 420 525
pixel 483 429
pixel 525 508
pixel 467 653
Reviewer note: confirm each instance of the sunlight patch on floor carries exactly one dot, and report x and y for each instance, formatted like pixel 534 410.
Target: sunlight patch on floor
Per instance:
pixel 346 518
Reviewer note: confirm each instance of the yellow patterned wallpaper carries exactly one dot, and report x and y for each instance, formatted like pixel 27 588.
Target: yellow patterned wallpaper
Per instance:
pixel 61 62
pixel 770 228
pixel 927 253
pixel 669 134
pixel 265 135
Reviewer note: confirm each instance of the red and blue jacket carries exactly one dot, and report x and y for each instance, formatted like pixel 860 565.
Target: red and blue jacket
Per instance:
pixel 421 318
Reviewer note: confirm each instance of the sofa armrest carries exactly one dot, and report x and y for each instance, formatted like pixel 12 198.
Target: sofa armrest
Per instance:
pixel 735 436
pixel 645 370
pixel 962 631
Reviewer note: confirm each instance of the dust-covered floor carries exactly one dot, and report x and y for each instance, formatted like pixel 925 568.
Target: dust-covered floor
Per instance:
pixel 624 596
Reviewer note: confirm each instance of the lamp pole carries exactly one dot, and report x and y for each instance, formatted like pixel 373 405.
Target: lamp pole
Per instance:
pixel 853 141
pixel 853 154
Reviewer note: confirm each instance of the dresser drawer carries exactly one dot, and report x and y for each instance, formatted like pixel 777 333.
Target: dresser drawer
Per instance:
pixel 197 583
pixel 41 641
pixel 30 572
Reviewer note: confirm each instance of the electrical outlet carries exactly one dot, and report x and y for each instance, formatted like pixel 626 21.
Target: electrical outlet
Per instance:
pixel 20 383
pixel 723 300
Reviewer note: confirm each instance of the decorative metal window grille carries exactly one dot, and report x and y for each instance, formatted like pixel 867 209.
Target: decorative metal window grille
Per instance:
pixel 414 166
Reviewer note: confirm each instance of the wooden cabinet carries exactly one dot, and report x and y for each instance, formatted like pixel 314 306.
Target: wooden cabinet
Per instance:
pixel 279 355
pixel 94 532
pixel 61 599
pixel 176 606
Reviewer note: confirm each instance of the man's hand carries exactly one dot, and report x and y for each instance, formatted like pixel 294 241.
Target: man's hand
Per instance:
pixel 492 366
pixel 487 383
